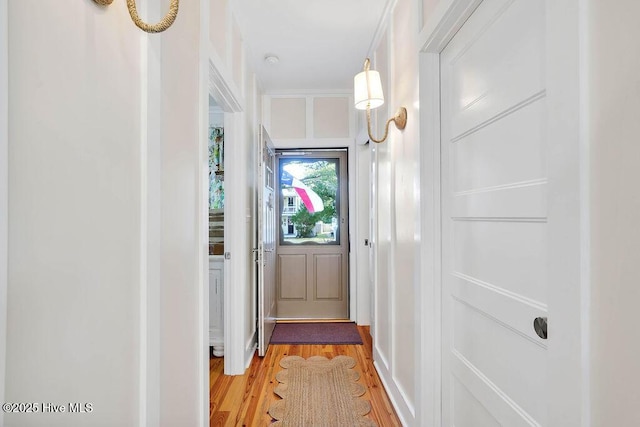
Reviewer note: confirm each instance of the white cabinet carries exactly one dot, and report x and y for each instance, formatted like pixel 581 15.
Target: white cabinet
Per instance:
pixel 216 304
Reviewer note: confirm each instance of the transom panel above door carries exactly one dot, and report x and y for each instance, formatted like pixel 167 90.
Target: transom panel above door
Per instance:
pixel 313 236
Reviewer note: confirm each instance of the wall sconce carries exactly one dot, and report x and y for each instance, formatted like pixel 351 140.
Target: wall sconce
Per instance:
pixel 155 28
pixel 367 90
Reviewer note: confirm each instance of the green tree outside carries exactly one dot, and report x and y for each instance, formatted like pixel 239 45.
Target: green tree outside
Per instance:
pixel 321 177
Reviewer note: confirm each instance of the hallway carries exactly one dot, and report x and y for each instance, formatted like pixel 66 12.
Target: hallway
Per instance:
pixel 493 241
pixel 244 400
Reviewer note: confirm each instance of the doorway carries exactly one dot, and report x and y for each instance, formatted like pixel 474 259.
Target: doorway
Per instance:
pixel 312 250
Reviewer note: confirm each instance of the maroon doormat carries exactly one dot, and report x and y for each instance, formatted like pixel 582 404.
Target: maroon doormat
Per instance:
pixel 316 333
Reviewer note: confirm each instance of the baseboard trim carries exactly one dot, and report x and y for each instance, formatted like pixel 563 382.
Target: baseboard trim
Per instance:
pixel 395 396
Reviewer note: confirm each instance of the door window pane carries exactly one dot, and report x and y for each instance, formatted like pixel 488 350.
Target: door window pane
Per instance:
pixel 309 202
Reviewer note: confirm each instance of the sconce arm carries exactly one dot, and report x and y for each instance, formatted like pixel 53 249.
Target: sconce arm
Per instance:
pixel 400 120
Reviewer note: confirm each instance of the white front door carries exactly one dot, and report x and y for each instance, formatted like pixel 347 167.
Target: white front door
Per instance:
pixel 266 243
pixel 494 218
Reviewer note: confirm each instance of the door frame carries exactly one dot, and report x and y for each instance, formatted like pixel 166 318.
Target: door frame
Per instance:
pixel 343 157
pixel 350 144
pixel 568 248
pixel 234 297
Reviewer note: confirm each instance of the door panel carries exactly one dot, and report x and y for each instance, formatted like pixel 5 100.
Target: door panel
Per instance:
pixel 473 412
pixel 496 63
pixel 313 235
pixel 293 283
pixel 479 160
pixel 266 243
pixel 328 276
pixel 494 218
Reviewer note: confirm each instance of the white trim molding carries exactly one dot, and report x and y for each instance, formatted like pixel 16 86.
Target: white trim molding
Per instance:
pixel 150 220
pixel 234 275
pixel 381 29
pixel 446 20
pixel 399 404
pixel 228 97
pixel 221 86
pixel 428 330
pixel 568 204
pixel 202 229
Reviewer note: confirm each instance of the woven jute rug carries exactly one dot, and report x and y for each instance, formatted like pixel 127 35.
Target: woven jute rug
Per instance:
pixel 319 392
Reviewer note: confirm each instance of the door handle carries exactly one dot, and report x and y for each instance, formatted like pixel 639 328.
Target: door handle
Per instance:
pixel 540 326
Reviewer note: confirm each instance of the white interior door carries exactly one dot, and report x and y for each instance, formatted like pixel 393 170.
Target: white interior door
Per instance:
pixel 494 218
pixel 266 243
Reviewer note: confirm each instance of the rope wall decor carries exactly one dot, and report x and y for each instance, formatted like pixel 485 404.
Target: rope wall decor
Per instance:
pixel 165 23
pixel 160 26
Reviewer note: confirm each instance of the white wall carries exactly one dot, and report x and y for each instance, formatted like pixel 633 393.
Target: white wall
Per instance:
pixel 398 211
pixel 74 174
pixel 184 244
pixel 219 19
pixel 614 92
pixel 107 162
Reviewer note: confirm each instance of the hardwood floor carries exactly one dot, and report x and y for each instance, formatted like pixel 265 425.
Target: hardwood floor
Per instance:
pixel 244 400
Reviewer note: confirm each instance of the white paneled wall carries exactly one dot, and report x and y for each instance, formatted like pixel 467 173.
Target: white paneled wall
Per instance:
pixel 310 118
pixel 219 23
pixel 238 58
pixel 288 118
pixel 331 117
pixel 398 212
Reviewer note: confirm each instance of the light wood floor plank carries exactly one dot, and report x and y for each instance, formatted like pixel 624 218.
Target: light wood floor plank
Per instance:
pixel 244 400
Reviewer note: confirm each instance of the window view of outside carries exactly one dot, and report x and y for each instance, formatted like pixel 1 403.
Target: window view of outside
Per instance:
pixel 308 205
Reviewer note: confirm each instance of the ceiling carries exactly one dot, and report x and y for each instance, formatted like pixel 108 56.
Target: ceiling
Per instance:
pixel 321 44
